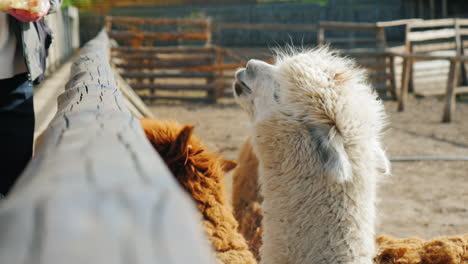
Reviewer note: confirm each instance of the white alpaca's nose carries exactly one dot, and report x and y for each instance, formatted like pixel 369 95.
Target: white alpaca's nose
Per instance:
pixel 254 65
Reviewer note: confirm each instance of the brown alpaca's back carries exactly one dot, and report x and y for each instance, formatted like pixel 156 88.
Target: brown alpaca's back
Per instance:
pixel 246 198
pixel 201 173
pixel 442 250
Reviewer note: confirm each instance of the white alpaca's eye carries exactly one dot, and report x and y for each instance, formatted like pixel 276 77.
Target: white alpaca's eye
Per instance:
pixel 276 96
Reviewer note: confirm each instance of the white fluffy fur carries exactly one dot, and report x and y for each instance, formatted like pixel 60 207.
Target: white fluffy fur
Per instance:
pixel 316 126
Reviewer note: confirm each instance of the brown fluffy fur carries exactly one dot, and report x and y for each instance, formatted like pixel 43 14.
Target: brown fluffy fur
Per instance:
pixel 201 173
pixel 443 250
pixel 246 199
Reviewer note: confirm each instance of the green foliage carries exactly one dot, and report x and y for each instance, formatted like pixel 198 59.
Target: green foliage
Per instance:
pixel 317 2
pixel 196 15
pixel 77 3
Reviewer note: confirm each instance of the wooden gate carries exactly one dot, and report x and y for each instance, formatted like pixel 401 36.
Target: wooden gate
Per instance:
pixel 167 59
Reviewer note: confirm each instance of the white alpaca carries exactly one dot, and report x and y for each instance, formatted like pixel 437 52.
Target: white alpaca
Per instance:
pixel 316 131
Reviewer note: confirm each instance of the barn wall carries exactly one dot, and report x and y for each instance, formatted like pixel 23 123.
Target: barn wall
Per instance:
pixel 285 13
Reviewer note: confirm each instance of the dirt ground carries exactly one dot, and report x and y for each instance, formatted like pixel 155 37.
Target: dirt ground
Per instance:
pixel 425 198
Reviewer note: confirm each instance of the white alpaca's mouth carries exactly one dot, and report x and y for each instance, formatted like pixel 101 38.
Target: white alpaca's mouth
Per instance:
pixel 240 88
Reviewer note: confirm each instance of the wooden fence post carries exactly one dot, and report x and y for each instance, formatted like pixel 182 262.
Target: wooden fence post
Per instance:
pixel 96 191
pixel 452 81
pixel 405 83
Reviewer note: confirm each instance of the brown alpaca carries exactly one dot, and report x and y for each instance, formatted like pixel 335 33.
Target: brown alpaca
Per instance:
pixel 246 198
pixel 201 173
pixel 443 250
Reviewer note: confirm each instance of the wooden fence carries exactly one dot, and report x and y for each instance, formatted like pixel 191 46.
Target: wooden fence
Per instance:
pixel 425 41
pixel 169 59
pixel 96 191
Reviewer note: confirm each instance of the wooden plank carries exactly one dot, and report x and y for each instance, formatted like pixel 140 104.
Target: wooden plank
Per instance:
pixel 350 40
pixel 126 35
pixel 348 26
pixel 394 23
pixel 405 82
pixel 96 191
pixel 431 34
pixel 157 21
pixel 463 31
pixel 462 21
pixel 274 27
pixel 162 57
pixel 164 64
pixel 461 90
pixel 439 92
pixel 209 30
pixel 458 40
pixel 449 106
pixel 429 57
pixel 166 75
pixel 399 48
pixel 360 52
pixel 419 48
pixel 321 37
pixel 173 87
pixel 228 66
pixel 177 49
pixel 132 109
pixel 448 22
pixel 393 85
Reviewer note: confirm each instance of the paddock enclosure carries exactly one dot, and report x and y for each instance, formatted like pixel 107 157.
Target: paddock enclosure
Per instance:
pixel 158 56
pixel 97 192
pixel 174 59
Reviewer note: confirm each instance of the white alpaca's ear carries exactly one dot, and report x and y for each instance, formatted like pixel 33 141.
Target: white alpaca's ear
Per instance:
pixel 383 164
pixel 332 154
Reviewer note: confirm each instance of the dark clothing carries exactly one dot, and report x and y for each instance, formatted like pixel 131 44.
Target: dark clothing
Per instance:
pixel 36 38
pixel 16 129
pixel 16 99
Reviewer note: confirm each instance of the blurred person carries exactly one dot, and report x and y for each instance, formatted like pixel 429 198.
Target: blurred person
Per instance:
pixel 24 41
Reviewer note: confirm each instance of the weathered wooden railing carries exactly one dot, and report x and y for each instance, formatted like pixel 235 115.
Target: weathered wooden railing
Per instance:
pixel 373 49
pixel 425 39
pixel 96 191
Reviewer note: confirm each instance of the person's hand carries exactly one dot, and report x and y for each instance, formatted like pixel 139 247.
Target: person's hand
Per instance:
pixel 28 16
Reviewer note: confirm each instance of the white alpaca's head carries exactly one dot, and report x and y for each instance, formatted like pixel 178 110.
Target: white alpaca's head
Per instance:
pixel 256 87
pixel 325 94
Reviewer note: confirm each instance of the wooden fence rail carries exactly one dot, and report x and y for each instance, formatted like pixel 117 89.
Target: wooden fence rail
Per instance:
pixel 96 191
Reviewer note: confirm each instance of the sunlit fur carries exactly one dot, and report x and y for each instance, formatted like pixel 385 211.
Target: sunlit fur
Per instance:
pixel 441 250
pixel 201 173
pixel 246 198
pixel 316 128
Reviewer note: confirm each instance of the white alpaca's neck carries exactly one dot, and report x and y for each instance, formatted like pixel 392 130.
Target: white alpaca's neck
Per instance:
pixel 307 217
